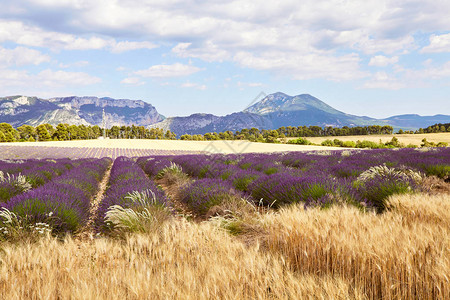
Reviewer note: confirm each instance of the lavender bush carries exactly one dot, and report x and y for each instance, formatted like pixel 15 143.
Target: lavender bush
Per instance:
pixel 203 194
pixel 126 177
pixel 64 202
pixel 319 178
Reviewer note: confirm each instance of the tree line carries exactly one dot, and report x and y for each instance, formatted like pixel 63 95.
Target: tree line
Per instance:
pixel 64 132
pixel 440 127
pixel 271 136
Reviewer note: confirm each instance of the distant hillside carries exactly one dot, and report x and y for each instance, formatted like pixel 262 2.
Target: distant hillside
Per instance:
pixel 274 111
pixel 278 110
pixel 285 110
pixel 19 110
pixel 203 123
pixel 413 121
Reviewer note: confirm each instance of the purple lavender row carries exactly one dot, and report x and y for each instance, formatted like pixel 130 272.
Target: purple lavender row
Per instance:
pixel 152 165
pixel 20 177
pixel 39 171
pixel 126 177
pixel 432 162
pixel 64 202
pixel 202 194
pixel 312 178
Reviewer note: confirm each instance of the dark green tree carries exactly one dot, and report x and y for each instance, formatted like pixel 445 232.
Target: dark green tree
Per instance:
pixel 42 133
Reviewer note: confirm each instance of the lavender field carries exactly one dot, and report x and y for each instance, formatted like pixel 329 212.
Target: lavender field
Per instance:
pixel 347 224
pixel 43 152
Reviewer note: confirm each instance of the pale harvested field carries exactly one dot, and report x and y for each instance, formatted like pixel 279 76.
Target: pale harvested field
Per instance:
pixel 225 147
pixel 415 139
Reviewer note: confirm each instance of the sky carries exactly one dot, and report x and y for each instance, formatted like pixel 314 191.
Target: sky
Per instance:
pixel 374 57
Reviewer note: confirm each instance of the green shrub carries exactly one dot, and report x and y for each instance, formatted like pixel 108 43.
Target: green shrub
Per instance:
pixel 337 142
pixel 300 141
pixel 348 144
pixel 270 171
pixel 394 142
pixel 441 171
pixel 369 144
pixel 426 143
pixel 328 143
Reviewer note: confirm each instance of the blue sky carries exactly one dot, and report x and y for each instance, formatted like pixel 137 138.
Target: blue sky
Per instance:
pixel 376 58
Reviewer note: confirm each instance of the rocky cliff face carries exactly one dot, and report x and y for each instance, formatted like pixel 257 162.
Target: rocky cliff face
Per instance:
pixel 19 110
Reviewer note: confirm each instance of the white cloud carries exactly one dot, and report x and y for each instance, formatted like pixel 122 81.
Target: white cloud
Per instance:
pixel 438 43
pixel 21 56
pixel 300 39
pixel 409 78
pixel 10 78
pixel 382 61
pixel 428 73
pixel 174 70
pixel 381 80
pixel 302 67
pixel 93 43
pixel 77 64
pixel 128 46
pixel 24 81
pixel 27 35
pixel 63 78
pixel 194 85
pixel 249 84
pixel 208 52
pixel 136 81
pixel 388 46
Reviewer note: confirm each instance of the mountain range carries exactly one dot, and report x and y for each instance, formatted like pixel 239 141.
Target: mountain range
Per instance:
pixel 20 110
pixel 273 111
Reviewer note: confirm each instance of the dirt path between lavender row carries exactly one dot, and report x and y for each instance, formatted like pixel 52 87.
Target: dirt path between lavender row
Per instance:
pixel 173 190
pixel 87 232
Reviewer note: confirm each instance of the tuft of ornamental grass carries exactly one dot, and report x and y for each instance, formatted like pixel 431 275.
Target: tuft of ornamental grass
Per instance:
pixel 12 185
pixel 377 183
pixel 172 169
pixel 144 213
pixel 14 228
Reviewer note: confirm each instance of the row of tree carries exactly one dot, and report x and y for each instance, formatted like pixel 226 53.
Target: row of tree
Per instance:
pixel 257 135
pixel 436 128
pixel 64 132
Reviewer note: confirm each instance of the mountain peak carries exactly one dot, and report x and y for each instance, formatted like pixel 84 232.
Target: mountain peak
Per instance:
pixel 281 102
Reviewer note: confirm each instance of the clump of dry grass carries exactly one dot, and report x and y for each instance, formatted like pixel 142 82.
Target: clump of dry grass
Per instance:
pixel 183 261
pixel 383 171
pixel 402 254
pixel 146 214
pixel 434 184
pixel 419 208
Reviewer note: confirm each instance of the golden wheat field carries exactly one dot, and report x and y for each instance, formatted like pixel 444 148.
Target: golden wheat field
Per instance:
pixel 339 253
